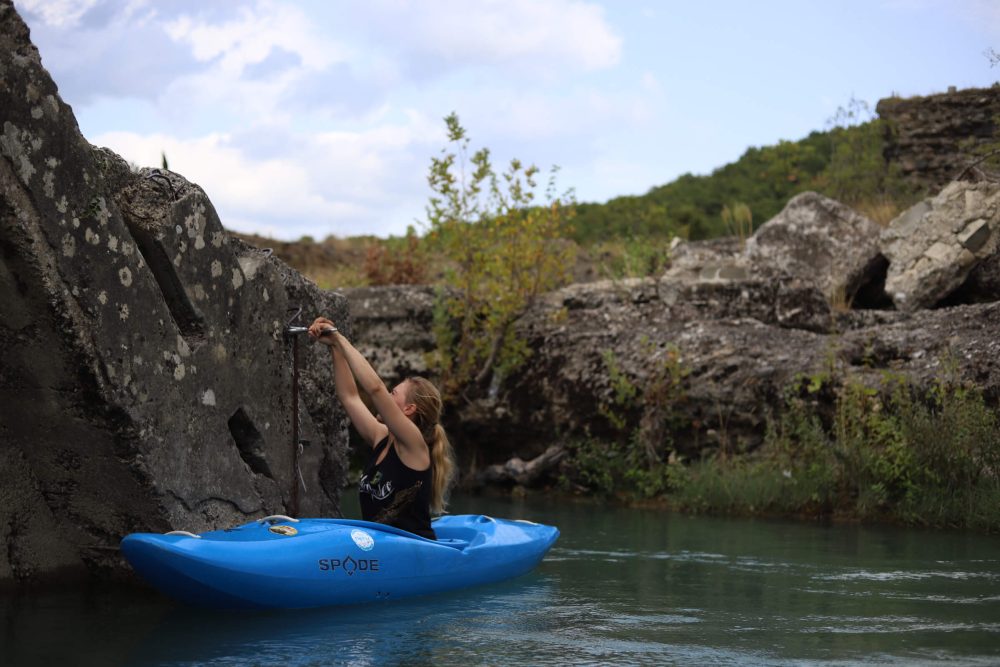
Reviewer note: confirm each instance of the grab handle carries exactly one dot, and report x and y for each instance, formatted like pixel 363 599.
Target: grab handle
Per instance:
pixel 184 533
pixel 275 518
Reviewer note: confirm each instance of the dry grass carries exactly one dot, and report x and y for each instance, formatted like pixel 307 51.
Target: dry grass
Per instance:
pixel 839 301
pixel 881 212
pixel 331 263
pixel 333 277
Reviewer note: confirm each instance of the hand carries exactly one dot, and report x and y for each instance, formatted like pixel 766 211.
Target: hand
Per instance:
pixel 319 331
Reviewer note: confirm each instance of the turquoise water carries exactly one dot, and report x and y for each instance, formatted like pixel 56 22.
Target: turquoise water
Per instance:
pixel 619 587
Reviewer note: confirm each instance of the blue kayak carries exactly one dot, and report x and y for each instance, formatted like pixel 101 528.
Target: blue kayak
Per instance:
pixel 279 562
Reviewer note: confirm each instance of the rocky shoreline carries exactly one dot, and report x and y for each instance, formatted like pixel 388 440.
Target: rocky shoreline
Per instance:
pixel 745 320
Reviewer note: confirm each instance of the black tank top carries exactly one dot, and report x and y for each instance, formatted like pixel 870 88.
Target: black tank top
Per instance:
pixel 395 494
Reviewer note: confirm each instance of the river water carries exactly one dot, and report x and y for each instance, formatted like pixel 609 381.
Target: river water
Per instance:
pixel 621 586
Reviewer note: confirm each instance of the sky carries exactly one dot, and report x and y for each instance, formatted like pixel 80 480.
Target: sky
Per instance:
pixel 321 117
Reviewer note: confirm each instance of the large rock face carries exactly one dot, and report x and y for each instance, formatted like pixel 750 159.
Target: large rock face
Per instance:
pixel 815 241
pixel 930 137
pixel 934 246
pixel 740 357
pixel 741 343
pixel 145 381
pixel 823 241
pixel 393 328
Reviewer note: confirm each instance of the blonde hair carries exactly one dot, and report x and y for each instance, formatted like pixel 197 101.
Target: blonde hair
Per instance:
pixel 427 399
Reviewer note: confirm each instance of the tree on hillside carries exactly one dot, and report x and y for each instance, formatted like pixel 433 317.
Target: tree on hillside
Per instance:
pixel 503 248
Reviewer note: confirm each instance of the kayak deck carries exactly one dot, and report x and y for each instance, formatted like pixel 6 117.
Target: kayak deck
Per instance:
pixel 289 563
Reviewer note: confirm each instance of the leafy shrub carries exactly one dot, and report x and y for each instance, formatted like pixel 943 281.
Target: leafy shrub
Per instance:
pixel 641 462
pixel 632 256
pixel 501 252
pixel 892 453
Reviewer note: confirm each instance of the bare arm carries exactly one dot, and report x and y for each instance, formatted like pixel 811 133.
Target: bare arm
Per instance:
pixel 370 429
pixel 350 363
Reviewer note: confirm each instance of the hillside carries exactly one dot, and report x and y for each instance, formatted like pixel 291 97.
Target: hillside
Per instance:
pixel 876 165
pixel 628 235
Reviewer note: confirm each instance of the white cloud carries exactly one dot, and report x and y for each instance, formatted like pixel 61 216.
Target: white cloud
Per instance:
pixel 254 63
pixel 558 32
pixel 104 49
pixel 651 84
pixel 250 37
pixel 342 183
pixel 58 13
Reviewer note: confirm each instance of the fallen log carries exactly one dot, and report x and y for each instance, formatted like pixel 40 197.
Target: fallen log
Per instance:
pixel 521 472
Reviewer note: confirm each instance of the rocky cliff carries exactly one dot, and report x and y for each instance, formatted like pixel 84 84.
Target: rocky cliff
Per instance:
pixel 145 374
pixel 931 137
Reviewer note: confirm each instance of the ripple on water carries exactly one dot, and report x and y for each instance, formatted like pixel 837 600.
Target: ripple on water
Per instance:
pixel 558 554
pixel 907 575
pixel 909 597
pixel 890 624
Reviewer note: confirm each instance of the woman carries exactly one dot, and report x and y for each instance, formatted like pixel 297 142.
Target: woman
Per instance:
pixel 411 464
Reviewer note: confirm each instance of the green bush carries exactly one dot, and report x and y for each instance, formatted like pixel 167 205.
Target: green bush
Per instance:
pixel 501 250
pixel 644 413
pixel 892 453
pixel 887 453
pixel 619 468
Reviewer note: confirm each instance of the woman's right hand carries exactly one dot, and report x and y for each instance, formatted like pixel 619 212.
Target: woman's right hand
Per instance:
pixel 317 331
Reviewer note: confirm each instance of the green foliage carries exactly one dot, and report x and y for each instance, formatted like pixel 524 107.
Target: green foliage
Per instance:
pixel 645 413
pixel 619 468
pixel 623 392
pixel 626 217
pixel 763 179
pixel 163 161
pixel 501 252
pixel 632 257
pixel 662 399
pixel 596 467
pixel 882 453
pixel 857 172
pixel 737 487
pixel 845 162
pixel 890 453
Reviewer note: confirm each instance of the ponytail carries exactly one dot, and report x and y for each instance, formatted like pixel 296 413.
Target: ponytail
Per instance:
pixel 443 465
pixel 427 399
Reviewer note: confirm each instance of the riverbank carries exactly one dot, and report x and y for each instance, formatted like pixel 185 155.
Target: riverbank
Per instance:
pixel 890 453
pixel 702 396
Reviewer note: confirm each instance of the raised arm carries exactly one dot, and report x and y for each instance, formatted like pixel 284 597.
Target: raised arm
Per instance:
pixel 350 363
pixel 368 427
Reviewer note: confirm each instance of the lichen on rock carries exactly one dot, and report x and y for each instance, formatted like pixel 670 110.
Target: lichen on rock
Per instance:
pixel 130 398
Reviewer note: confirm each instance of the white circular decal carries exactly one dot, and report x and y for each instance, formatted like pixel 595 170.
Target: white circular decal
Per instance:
pixel 363 540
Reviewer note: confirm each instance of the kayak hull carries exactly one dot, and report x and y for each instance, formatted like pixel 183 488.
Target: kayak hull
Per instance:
pixel 321 562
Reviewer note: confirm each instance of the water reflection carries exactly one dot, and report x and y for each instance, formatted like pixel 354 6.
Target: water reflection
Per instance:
pixel 415 632
pixel 620 587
